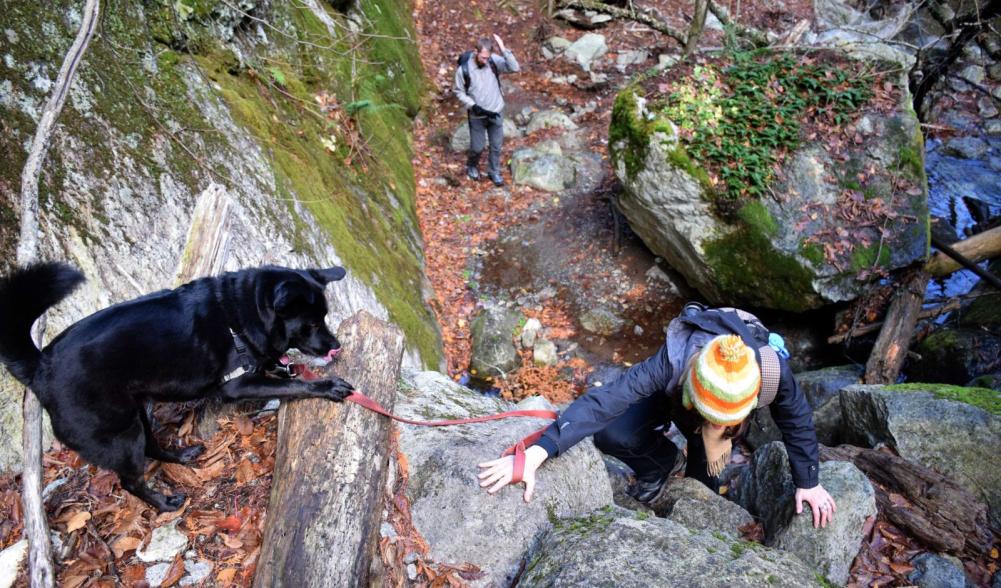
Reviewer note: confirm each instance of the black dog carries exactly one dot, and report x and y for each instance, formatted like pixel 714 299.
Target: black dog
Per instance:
pixel 211 337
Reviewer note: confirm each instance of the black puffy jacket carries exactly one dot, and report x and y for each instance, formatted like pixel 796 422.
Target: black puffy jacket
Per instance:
pixel 596 409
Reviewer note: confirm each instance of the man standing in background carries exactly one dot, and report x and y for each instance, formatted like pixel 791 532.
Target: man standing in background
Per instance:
pixel 477 86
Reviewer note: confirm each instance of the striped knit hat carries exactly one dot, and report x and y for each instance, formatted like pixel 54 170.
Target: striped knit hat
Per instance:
pixel 723 382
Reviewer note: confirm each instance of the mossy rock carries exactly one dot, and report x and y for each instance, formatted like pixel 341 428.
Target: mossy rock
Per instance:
pixel 788 248
pixel 173 97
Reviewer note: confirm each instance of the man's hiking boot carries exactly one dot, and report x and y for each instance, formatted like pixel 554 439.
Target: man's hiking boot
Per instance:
pixel 472 173
pixel 496 179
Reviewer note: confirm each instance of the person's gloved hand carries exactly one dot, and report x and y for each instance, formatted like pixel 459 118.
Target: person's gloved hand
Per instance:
pixel 479 110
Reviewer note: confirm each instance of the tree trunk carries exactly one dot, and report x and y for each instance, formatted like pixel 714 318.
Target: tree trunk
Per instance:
pixel 330 471
pixel 697 26
pixel 890 350
pixel 928 506
pixel 36 528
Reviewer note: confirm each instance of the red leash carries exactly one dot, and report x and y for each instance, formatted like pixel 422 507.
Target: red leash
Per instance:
pixel 517 450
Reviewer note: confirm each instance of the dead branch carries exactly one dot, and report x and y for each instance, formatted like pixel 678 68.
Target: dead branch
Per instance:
pixel 636 16
pixel 36 527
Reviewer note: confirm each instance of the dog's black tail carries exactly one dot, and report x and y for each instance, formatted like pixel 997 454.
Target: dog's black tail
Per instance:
pixel 24 295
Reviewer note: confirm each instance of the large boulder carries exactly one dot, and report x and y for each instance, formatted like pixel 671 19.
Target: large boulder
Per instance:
pixel 586 49
pixel 820 388
pixel 547 119
pixel 766 489
pixel 935 571
pixel 493 331
pixel 768 252
pixel 691 503
pixel 459 520
pixel 955 431
pixel 956 356
pixel 623 548
pixel 543 170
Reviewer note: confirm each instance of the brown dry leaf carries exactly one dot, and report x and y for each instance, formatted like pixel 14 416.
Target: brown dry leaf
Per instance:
pixel 901 568
pixel 211 472
pixel 125 544
pixel 244 425
pixel 74 581
pixel 77 521
pixel 175 573
pixel 133 574
pixel 180 474
pixel 245 472
pixel 226 576
pixel 230 523
pixel 232 542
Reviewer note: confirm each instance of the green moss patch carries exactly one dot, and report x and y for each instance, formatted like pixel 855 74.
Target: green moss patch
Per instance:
pixel 740 116
pixel 746 264
pixel 985 398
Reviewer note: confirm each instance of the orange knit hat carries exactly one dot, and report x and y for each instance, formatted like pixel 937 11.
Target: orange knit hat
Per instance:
pixel 723 382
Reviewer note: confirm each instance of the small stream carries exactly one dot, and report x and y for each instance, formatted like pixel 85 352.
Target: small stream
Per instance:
pixel 960 191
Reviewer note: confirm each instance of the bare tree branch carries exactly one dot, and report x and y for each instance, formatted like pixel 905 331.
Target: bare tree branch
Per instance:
pixel 637 16
pixel 36 528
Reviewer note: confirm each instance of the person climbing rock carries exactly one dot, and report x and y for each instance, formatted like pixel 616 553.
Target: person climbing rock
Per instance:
pixel 715 368
pixel 477 86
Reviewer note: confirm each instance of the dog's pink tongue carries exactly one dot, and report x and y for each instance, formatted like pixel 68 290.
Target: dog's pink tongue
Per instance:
pixel 333 353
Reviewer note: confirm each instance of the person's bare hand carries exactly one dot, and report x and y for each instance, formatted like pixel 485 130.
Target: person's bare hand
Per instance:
pixel 820 502
pixel 497 473
pixel 500 44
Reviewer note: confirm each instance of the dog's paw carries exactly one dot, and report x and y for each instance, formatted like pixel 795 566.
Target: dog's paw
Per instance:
pixel 335 389
pixel 190 453
pixel 170 503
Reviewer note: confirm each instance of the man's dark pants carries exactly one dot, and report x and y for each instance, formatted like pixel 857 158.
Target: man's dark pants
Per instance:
pixel 635 439
pixel 479 130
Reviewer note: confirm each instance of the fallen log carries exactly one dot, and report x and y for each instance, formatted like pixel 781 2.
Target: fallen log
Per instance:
pixel 869 328
pixel 890 351
pixel 330 470
pixel 928 506
pixel 979 247
pixel 625 13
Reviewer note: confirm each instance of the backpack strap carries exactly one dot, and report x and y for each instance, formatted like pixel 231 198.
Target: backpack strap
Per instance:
pixel 771 373
pixel 464 64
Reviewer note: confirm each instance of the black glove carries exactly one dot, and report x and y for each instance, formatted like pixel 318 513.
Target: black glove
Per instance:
pixel 479 110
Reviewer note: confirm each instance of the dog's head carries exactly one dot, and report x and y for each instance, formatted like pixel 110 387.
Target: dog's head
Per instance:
pixel 300 305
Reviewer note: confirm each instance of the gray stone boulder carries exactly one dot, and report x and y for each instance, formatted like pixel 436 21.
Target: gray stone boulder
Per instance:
pixel 545 353
pixel 921 422
pixel 623 548
pixel 762 254
pixel 766 489
pixel 956 355
pixel 966 147
pixel 586 49
pixel 831 550
pixel 690 503
pixel 460 136
pixel 542 170
pixel 459 520
pixel 547 119
pixel 820 388
pixel 602 321
pixel 493 331
pixel 622 477
pixel 935 571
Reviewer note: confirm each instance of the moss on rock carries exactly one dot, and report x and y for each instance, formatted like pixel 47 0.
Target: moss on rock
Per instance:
pixel 985 398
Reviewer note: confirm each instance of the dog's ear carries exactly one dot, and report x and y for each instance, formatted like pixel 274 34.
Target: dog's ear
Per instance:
pixel 290 296
pixel 331 274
